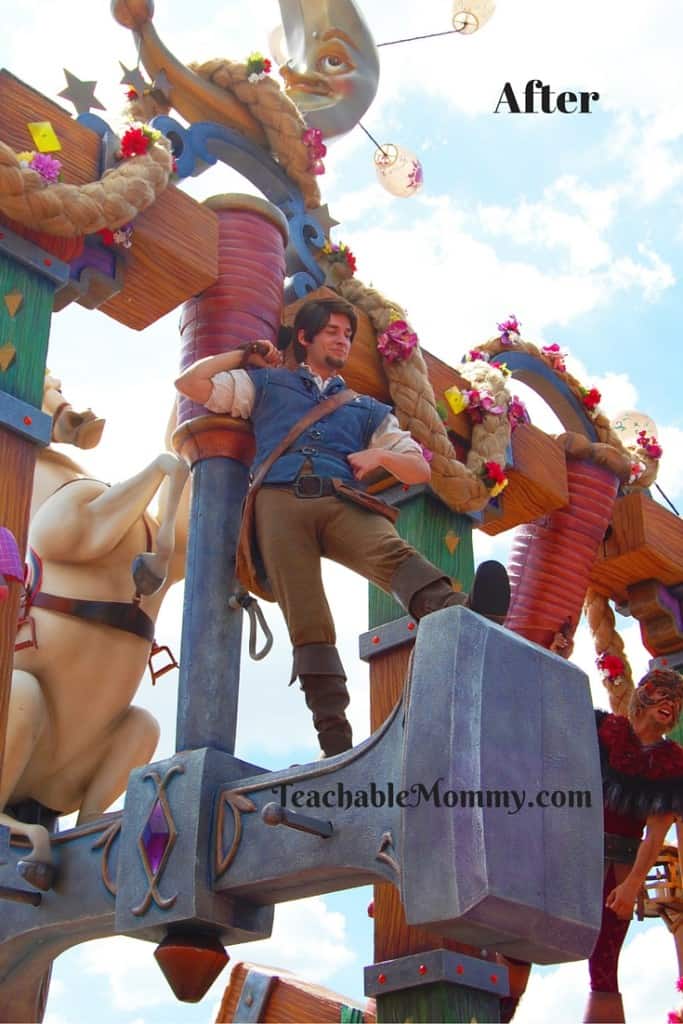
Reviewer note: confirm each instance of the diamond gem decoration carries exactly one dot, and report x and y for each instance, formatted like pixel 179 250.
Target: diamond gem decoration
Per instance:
pixel 155 837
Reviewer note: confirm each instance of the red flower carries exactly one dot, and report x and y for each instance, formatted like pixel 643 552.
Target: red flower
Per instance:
pixel 351 260
pixel 494 472
pixel 267 65
pixel 612 665
pixel 132 94
pixel 134 143
pixel 107 236
pixel 591 399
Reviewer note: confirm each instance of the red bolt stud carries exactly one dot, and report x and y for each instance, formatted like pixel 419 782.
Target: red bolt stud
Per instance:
pixel 460 969
pixel 371 908
pixel 411 625
pixel 381 978
pixel 422 969
pixel 494 979
pixel 375 639
pixel 47 262
pixel 28 421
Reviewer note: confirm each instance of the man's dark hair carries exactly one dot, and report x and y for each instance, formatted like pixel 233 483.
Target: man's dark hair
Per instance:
pixel 313 316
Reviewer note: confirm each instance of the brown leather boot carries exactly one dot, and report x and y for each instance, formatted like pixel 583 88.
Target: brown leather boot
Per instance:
pixel 422 588
pixel 604 1008
pixel 323 681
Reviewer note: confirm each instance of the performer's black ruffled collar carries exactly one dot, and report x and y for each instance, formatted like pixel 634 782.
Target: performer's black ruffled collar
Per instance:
pixel 638 781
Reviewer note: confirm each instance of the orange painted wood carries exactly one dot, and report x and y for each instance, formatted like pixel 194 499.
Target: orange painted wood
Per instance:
pixel 174 256
pixel 209 437
pixel 658 624
pixel 290 1001
pixel 538 481
pixel 20 104
pixel 646 542
pixel 17 459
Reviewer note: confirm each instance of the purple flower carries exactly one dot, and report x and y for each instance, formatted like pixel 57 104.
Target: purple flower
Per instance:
pixel 48 167
pixel 415 175
pixel 427 453
pixel 397 341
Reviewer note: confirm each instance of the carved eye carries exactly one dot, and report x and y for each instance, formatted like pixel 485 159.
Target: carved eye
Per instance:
pixel 333 64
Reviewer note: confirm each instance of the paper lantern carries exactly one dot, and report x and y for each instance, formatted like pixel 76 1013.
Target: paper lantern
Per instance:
pixel 628 424
pixel 469 15
pixel 398 170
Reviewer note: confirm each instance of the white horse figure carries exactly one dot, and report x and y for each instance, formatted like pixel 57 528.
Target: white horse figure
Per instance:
pixel 85 638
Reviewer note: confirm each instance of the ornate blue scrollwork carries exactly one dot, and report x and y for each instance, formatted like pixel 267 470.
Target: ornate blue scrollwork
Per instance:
pixel 204 143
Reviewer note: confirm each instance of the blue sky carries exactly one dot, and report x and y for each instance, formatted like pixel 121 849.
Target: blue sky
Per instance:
pixel 573 222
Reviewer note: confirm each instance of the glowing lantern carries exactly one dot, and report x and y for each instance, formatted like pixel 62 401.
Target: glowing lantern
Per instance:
pixel 629 424
pixel 398 170
pixel 469 15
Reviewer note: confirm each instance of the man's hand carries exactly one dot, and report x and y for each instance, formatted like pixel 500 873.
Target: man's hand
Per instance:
pixel 366 462
pixel 266 355
pixel 621 901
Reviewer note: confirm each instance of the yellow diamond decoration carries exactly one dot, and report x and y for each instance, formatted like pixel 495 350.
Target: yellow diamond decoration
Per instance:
pixel 451 540
pixel 7 354
pixel 44 137
pixel 13 301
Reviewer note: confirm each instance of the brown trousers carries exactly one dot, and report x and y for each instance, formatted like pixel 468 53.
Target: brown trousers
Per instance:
pixel 294 533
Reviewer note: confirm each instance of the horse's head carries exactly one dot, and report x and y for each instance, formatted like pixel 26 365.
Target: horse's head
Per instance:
pixel 82 429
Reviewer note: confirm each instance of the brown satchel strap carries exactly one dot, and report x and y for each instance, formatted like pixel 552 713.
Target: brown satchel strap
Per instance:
pixel 312 416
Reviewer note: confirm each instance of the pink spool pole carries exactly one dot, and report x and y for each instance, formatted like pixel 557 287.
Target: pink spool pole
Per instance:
pixel 245 302
pixel 551 559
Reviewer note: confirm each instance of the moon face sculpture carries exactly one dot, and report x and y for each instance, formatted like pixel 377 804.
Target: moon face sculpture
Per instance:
pixel 333 67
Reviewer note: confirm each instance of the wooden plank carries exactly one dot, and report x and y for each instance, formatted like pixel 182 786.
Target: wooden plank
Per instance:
pixel 174 256
pixel 291 1000
pixel 20 104
pixel 538 481
pixel 646 542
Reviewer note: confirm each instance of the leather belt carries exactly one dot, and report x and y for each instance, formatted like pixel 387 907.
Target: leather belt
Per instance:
pixel 622 849
pixel 312 486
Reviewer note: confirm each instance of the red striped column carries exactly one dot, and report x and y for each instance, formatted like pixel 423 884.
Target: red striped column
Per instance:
pixel 552 558
pixel 245 302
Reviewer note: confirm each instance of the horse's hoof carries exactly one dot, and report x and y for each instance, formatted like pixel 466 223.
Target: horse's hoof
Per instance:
pixel 146 581
pixel 37 873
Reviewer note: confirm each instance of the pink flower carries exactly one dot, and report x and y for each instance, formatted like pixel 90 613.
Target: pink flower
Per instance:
pixel 555 356
pixel 517 412
pixel 488 405
pixel 427 453
pixel 474 354
pixel 397 341
pixel 679 985
pixel 509 330
pixel 674 1017
pixel 48 167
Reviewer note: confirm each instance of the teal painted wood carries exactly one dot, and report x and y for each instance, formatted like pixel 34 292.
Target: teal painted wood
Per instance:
pixel 427 524
pixel 28 331
pixel 443 1002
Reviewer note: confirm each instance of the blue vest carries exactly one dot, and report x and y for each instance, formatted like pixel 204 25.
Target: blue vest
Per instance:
pixel 283 397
